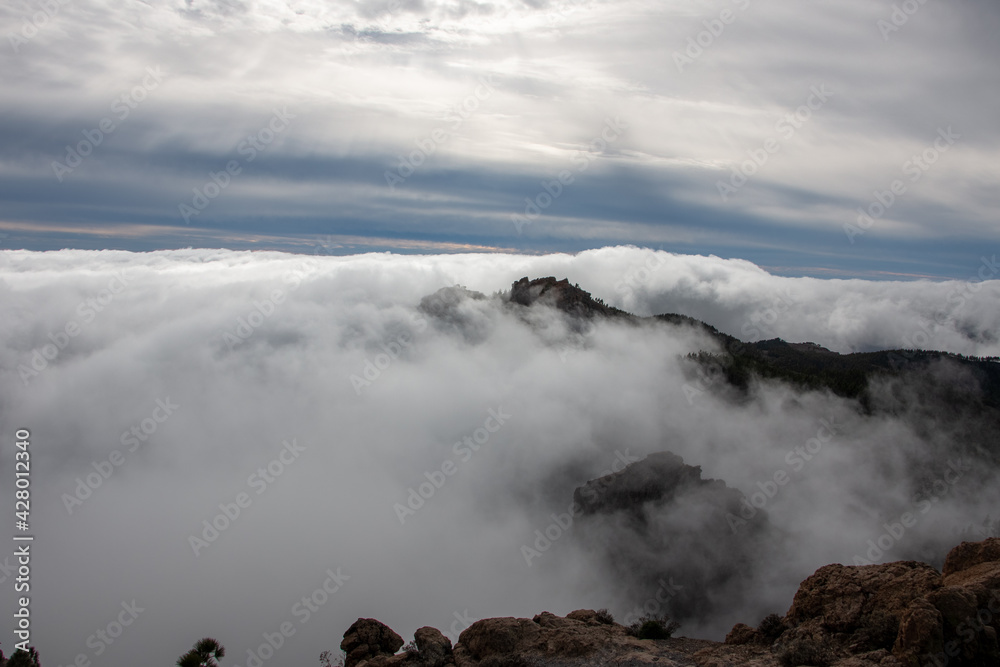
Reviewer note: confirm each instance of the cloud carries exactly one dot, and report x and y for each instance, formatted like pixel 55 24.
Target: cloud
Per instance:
pixel 295 403
pixel 368 81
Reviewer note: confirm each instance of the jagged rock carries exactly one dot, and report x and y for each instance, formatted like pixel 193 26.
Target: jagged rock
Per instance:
pixel 588 616
pixel 845 596
pixel 560 294
pixel 647 521
pixel 902 614
pixel 435 649
pixel 846 612
pixel 659 478
pixel 969 554
pixel 367 639
pixel 491 636
pixel 921 632
pixel 545 637
pixel 742 634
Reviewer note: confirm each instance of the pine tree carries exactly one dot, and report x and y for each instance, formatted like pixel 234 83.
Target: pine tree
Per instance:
pixel 206 653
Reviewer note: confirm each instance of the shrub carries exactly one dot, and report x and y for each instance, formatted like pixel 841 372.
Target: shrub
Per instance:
pixel 411 648
pixel 604 616
pixel 326 659
pixel 771 628
pixel 653 627
pixel 206 653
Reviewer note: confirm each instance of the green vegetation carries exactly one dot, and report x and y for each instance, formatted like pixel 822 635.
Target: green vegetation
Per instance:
pixel 770 628
pixel 21 658
pixel 206 653
pixel 605 616
pixel 653 627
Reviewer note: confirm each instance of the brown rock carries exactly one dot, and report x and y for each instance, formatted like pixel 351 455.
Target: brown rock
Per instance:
pixel 367 639
pixel 742 634
pixel 843 597
pixel 969 554
pixel 588 616
pixel 434 647
pixel 921 633
pixel 492 636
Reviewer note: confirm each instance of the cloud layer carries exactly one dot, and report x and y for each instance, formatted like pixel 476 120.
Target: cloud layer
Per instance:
pixel 416 453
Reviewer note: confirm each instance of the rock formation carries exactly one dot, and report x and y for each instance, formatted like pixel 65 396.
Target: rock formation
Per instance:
pixel 659 520
pixel 901 614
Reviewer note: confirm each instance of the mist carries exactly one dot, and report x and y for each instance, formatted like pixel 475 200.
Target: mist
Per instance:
pixel 286 441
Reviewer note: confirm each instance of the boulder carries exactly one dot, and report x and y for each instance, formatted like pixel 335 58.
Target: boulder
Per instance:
pixel 434 648
pixel 367 639
pixel 742 634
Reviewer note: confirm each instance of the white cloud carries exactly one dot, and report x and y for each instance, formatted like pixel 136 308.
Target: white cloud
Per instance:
pixel 300 328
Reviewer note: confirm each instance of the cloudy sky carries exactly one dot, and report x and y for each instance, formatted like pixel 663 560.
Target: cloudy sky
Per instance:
pixel 743 128
pixel 819 171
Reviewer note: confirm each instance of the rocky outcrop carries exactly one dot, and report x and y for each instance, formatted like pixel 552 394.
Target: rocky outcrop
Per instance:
pixel 368 639
pixel 658 520
pixel 660 478
pixel 582 637
pixel 433 648
pixel 561 295
pixel 901 614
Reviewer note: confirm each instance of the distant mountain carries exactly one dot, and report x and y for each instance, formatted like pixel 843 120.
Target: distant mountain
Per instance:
pixel 803 364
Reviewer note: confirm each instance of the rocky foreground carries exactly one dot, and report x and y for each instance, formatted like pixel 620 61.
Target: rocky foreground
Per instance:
pixel 901 614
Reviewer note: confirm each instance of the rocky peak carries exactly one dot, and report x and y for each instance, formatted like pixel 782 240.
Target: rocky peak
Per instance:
pixel 659 478
pixel 559 294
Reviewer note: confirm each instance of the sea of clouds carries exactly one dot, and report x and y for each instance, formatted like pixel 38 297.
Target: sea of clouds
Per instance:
pixel 361 457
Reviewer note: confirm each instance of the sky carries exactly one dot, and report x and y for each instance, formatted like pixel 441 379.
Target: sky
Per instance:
pixel 218 221
pixel 216 435
pixel 749 129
